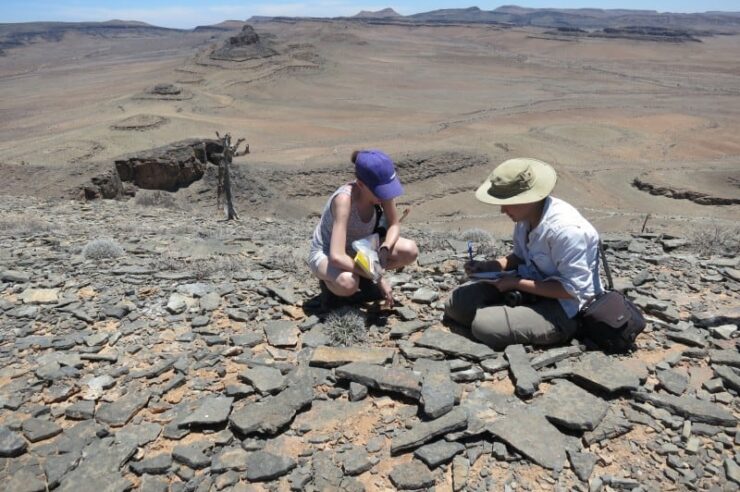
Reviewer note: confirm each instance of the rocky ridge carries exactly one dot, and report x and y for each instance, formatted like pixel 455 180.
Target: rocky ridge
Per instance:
pixel 196 357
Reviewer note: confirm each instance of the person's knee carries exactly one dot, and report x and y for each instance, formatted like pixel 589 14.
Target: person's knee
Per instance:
pixel 458 310
pixel 491 327
pixel 347 283
pixel 406 252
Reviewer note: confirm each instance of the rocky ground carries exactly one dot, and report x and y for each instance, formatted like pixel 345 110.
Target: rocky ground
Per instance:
pixel 157 349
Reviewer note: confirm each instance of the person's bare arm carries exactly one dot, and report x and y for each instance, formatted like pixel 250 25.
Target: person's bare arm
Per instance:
pixel 394 224
pixel 338 257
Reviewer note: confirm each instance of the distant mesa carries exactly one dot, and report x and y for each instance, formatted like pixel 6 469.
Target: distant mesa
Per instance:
pixel 246 45
pixel 228 25
pixel 387 13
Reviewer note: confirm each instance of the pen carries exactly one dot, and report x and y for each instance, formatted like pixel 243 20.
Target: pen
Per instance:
pixel 470 250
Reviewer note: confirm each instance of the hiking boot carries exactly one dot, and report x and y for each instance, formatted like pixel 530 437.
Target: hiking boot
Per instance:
pixel 368 291
pixel 329 300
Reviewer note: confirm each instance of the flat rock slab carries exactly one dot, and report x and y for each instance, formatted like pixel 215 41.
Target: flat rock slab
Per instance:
pixel 729 357
pixel 439 393
pixel 156 465
pixel 229 459
pixel 212 410
pixel 282 333
pixel 192 455
pixel 691 408
pixel 438 452
pixel 11 443
pixel 405 329
pixel 356 461
pixel 263 466
pixel 730 376
pixel 100 468
pixel 38 429
pixel 393 380
pixel 582 463
pixel 525 377
pixel 39 296
pixel 270 415
pixel 531 434
pixel 338 356
pixel 266 380
pixel 572 407
pixel 456 345
pixel 613 425
pixel 690 336
pixel 673 381
pixel 553 356
pixel 411 476
pixel 424 432
pixel 119 412
pixel 602 373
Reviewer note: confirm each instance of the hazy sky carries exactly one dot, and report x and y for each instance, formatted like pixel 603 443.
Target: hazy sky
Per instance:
pixel 190 13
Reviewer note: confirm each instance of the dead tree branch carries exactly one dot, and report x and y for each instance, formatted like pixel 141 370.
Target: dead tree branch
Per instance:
pixel 225 159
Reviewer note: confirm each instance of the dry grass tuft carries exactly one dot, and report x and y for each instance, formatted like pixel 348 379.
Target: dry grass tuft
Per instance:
pixel 346 327
pixel 100 249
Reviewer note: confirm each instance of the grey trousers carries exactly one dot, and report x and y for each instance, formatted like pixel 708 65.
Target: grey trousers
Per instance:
pixel 479 306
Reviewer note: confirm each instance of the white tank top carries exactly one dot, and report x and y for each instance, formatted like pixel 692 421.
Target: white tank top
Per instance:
pixel 356 228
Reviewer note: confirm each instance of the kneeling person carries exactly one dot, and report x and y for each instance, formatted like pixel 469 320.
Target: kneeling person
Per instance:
pixel 554 262
pixel 349 215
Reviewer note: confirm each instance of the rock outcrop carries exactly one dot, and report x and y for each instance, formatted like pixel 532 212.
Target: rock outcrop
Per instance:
pixel 170 167
pixel 246 45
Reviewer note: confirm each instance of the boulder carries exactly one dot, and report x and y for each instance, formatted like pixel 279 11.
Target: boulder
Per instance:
pixel 170 167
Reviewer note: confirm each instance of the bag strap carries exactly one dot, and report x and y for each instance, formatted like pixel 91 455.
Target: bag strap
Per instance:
pixel 607 270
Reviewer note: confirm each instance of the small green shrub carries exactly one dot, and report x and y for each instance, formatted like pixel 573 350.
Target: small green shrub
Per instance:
pixel 99 249
pixel 346 327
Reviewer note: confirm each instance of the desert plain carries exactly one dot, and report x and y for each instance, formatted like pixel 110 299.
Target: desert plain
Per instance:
pixel 602 111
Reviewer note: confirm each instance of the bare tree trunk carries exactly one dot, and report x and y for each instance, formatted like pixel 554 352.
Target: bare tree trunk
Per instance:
pixel 224 173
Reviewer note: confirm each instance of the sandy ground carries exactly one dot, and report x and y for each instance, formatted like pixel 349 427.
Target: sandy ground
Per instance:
pixel 602 111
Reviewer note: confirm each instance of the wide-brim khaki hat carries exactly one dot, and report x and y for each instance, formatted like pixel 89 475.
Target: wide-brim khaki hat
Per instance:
pixel 518 181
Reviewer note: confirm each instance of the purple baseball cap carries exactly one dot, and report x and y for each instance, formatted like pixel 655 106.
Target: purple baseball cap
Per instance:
pixel 376 170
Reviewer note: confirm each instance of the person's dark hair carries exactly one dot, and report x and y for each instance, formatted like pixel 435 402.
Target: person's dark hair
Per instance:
pixel 354 156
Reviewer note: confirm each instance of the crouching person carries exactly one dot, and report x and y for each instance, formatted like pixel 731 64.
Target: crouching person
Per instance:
pixel 350 214
pixel 552 270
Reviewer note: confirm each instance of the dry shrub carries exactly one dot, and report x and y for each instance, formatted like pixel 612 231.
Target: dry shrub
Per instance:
pixel 430 241
pixel 100 249
pixel 346 327
pixel 23 224
pixel 202 268
pixel 483 242
pixel 155 198
pixel 716 240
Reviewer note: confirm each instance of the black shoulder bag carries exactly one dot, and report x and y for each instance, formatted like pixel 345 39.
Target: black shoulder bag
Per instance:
pixel 611 320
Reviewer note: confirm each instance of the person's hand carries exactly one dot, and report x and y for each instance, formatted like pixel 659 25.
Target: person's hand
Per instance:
pixel 387 291
pixel 474 266
pixel 505 284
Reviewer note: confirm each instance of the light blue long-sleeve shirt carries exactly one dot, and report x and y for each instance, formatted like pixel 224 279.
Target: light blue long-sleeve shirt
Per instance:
pixel 564 247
